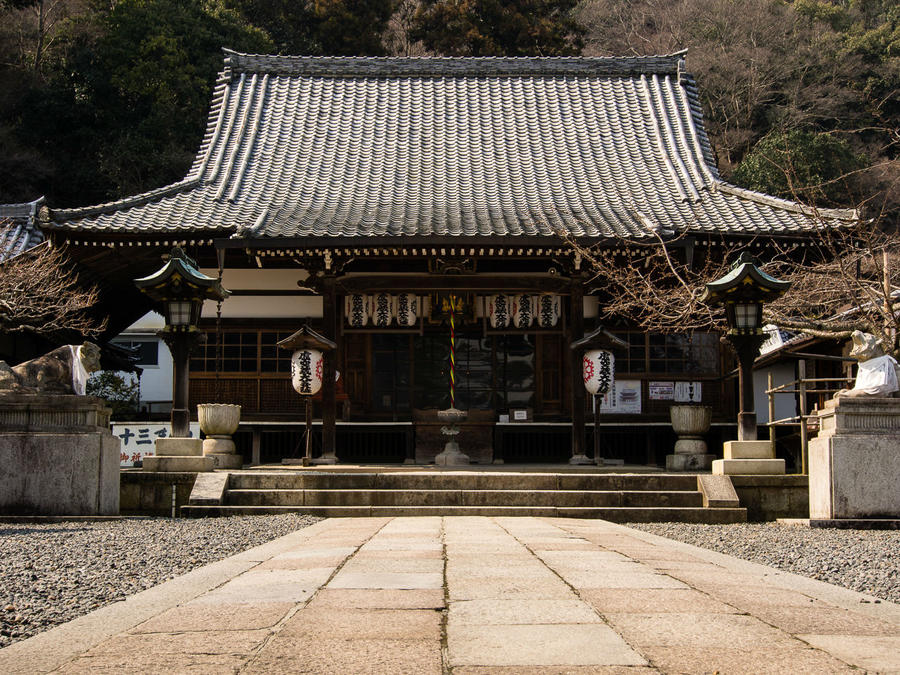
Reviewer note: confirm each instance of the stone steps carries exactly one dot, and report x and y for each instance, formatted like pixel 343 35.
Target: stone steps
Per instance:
pixel 613 514
pixel 469 480
pixel 414 497
pixel 616 497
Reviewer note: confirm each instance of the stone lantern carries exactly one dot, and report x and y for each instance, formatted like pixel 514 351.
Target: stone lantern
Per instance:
pixel 178 290
pixel 743 291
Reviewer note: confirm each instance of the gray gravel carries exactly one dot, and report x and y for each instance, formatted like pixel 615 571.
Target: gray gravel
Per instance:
pixel 51 573
pixel 861 560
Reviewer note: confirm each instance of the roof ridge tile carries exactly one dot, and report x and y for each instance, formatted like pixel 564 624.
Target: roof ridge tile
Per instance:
pixel 452 66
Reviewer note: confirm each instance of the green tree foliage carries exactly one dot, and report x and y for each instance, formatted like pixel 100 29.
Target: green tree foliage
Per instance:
pixel 499 27
pixel 124 103
pixel 122 394
pixel 815 168
pixel 769 67
pixel 321 27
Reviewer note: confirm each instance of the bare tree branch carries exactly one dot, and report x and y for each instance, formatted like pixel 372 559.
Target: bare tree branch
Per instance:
pixel 40 293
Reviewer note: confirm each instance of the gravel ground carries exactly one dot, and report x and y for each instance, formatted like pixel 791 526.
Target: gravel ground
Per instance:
pixel 51 573
pixel 861 560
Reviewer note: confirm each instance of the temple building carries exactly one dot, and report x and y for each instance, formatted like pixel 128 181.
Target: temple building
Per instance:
pixel 390 202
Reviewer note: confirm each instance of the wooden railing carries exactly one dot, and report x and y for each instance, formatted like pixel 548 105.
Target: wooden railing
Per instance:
pixel 801 389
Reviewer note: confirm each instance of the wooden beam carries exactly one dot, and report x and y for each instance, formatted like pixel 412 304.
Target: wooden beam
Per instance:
pixel 449 282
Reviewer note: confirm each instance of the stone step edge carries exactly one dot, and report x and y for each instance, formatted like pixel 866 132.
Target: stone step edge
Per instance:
pixel 448 491
pixel 614 513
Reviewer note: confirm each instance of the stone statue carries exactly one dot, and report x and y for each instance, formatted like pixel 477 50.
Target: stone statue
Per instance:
pixel 65 370
pixel 878 372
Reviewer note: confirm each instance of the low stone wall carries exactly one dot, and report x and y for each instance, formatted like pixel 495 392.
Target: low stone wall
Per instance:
pixel 770 497
pixel 143 493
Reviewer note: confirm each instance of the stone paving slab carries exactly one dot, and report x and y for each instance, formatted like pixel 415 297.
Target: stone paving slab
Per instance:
pixel 476 596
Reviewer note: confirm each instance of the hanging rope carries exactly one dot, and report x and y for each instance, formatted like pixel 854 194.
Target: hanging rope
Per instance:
pixel 452 355
pixel 220 358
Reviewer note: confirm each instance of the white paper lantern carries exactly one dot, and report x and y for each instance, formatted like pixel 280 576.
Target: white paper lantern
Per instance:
pixel 523 310
pixel 382 307
pixel 407 309
pixel 499 310
pixel 548 310
pixel 599 371
pixel 306 371
pixel 356 309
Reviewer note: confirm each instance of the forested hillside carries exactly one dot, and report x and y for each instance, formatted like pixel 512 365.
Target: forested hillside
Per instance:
pixel 105 98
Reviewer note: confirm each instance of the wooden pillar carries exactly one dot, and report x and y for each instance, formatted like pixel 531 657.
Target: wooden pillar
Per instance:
pixel 576 326
pixel 330 317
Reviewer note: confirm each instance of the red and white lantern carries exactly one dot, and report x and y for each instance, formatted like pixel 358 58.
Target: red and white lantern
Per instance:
pixel 599 371
pixel 523 310
pixel 548 310
pixel 499 310
pixel 357 308
pixel 407 309
pixel 382 307
pixel 306 371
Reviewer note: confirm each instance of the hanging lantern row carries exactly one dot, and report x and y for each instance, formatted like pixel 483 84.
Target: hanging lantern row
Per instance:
pixel 522 310
pixel 599 371
pixel 382 309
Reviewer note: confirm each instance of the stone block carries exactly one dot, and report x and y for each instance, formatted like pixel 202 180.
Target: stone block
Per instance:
pixel 178 447
pixel 729 467
pixel 717 491
pixel 225 460
pixel 748 450
pixel 209 489
pixel 218 446
pixel 70 471
pixel 685 462
pixel 178 463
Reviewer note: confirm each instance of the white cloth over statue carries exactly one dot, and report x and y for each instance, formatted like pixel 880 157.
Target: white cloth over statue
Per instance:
pixel 80 374
pixel 877 377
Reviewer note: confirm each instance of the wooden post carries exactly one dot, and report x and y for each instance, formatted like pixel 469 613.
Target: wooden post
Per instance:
pixel 307 455
pixel 576 328
pixel 330 317
pixel 180 347
pixel 771 396
pixel 804 440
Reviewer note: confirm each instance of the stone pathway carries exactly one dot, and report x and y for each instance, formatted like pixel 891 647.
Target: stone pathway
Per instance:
pixel 471 595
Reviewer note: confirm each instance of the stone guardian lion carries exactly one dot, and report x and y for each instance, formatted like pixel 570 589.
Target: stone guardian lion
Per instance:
pixel 65 370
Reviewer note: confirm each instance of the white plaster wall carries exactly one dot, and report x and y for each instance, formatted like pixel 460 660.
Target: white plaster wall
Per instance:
pixel 156 381
pixel 259 280
pixel 266 307
pixel 785 404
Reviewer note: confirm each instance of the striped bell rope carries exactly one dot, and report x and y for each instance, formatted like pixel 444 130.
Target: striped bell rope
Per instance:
pixel 452 358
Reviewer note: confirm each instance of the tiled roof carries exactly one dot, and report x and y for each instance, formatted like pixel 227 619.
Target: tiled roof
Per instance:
pixel 430 147
pixel 18 231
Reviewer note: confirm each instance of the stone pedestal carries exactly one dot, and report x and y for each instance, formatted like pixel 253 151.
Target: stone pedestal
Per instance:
pixel 451 455
pixel 690 422
pixel 219 421
pixel 854 462
pixel 222 451
pixel 57 456
pixel 179 454
pixel 748 458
